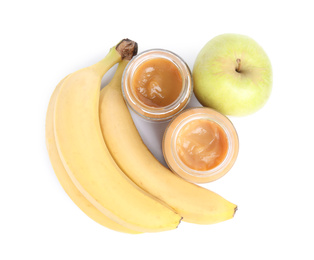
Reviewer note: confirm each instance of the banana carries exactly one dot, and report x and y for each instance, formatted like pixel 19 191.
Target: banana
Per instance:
pixel 194 203
pixel 88 161
pixel 64 179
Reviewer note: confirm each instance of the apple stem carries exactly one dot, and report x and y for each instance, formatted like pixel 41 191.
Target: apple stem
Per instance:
pixel 239 65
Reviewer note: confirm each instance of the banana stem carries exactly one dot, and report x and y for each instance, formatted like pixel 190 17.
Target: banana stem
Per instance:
pixel 116 80
pixel 125 49
pixel 106 63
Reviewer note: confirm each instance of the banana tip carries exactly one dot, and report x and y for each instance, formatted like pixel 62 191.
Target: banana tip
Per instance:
pixel 235 210
pixel 179 222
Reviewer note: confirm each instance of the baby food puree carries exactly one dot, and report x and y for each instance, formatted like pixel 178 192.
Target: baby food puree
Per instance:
pixel 157 82
pixel 200 145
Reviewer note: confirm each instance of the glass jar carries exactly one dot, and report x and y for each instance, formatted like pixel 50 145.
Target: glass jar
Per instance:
pixel 190 123
pixel 156 113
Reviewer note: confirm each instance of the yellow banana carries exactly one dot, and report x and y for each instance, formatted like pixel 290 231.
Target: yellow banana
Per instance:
pixel 64 179
pixel 194 203
pixel 88 162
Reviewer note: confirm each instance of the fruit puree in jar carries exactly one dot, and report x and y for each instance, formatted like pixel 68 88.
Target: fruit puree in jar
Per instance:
pixel 157 82
pixel 202 144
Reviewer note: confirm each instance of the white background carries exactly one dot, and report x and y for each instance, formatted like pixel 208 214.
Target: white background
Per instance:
pixel 271 182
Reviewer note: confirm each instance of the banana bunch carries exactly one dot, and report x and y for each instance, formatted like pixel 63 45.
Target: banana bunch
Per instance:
pixel 104 166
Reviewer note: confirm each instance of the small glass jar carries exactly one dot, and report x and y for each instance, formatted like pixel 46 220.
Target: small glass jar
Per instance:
pixel 171 149
pixel 146 111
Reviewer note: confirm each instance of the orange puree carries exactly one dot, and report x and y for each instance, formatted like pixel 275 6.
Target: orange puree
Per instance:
pixel 157 82
pixel 202 144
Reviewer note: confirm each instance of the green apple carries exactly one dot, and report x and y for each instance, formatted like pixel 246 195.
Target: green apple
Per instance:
pixel 232 74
